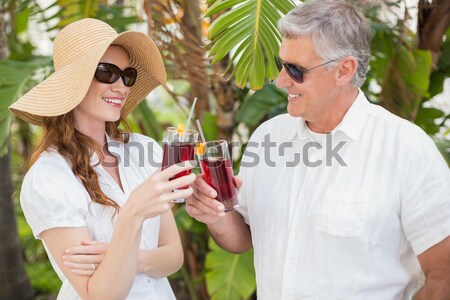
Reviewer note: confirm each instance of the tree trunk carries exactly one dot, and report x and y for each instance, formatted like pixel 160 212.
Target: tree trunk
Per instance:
pixel 195 55
pixel 225 92
pixel 14 283
pixel 433 21
pixel 3 39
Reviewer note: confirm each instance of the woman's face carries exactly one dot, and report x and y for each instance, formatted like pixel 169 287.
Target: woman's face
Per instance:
pixel 103 102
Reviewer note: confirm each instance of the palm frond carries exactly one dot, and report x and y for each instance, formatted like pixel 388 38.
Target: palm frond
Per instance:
pixel 248 30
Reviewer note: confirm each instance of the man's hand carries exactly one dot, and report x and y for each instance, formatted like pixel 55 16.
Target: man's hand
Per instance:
pixel 202 205
pixel 228 229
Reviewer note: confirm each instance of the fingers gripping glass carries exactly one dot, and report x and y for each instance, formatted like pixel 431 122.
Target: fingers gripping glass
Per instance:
pixel 296 72
pixel 109 73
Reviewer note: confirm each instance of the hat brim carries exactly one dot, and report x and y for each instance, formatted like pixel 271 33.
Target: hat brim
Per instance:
pixel 146 58
pixel 66 87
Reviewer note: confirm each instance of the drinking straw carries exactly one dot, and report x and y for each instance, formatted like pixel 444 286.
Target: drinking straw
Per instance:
pixel 185 128
pixel 190 114
pixel 200 149
pixel 199 126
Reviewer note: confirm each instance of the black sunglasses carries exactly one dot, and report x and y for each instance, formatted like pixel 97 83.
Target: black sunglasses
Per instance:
pixel 296 72
pixel 109 73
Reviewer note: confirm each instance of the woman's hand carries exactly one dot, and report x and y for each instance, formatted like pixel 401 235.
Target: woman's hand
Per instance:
pixel 84 259
pixel 156 194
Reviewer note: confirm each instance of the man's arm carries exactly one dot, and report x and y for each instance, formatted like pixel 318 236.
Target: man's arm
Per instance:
pixel 231 233
pixel 435 264
pixel 228 229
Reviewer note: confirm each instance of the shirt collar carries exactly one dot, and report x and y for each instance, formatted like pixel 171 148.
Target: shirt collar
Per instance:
pixel 290 135
pixel 115 147
pixel 353 122
pixel 351 125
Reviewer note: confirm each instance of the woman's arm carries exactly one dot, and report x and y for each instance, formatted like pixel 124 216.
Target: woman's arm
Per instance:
pixel 168 257
pixel 160 262
pixel 119 266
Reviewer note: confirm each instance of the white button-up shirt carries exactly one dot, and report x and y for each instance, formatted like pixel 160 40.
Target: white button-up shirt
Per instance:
pixel 51 196
pixel 347 220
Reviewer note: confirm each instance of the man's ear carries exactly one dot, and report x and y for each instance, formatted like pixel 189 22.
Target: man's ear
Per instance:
pixel 347 69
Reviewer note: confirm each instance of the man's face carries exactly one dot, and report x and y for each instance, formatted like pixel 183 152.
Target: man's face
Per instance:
pixel 313 99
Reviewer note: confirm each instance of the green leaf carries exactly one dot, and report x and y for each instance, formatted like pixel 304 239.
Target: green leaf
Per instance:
pixel 258 105
pixel 443 145
pixel 283 6
pixel 221 6
pixel 251 18
pixel 382 49
pixel 444 59
pixel 430 113
pixel 209 126
pixel 151 125
pixel 257 70
pixel 187 223
pixel 426 119
pixel 228 19
pixel 406 81
pixel 22 20
pixel 14 76
pixel 228 41
pixel 437 79
pixel 229 276
pixel 242 70
pixel 239 51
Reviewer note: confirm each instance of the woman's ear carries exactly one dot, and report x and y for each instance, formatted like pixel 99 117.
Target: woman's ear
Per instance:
pixel 347 69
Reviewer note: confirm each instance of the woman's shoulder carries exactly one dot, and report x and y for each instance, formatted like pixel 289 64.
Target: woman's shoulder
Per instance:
pixel 50 161
pixel 51 171
pixel 52 196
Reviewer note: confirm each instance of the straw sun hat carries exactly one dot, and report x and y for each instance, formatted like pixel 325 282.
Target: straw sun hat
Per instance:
pixel 77 51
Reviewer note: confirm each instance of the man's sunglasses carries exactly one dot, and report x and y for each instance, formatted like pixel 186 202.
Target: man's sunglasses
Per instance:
pixel 109 73
pixel 296 72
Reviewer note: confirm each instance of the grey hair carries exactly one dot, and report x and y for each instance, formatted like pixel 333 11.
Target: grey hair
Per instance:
pixel 337 30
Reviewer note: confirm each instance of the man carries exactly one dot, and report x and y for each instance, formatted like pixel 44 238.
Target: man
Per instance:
pixel 364 208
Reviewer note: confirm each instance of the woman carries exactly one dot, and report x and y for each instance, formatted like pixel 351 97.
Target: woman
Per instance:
pixel 93 194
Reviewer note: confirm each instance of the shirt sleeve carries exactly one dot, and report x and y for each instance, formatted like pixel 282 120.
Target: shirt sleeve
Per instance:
pixel 425 196
pixel 242 197
pixel 247 168
pixel 51 196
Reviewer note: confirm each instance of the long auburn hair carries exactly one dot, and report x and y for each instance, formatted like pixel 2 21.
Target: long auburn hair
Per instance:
pixel 59 133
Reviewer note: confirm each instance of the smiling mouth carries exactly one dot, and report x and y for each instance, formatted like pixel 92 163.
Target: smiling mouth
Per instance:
pixel 113 101
pixel 294 96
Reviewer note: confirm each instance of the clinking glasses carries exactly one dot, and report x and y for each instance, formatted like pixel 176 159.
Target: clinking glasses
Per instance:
pixel 296 72
pixel 109 73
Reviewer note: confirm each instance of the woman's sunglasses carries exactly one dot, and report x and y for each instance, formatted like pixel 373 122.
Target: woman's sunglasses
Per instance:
pixel 296 72
pixel 109 73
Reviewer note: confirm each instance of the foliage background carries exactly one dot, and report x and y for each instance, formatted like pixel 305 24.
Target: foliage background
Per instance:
pixel 221 52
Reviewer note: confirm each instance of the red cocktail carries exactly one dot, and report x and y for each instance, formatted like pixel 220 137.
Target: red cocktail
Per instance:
pixel 175 153
pixel 178 146
pixel 218 172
